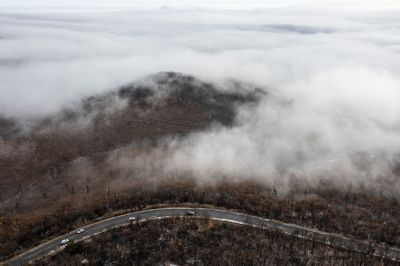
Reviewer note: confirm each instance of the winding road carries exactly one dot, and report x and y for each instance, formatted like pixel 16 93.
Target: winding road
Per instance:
pixel 54 245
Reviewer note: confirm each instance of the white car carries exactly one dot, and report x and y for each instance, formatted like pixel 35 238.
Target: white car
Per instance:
pixel 80 231
pixel 64 241
pixel 132 218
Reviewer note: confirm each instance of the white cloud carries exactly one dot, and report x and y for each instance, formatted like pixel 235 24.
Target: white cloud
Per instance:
pixel 49 59
pixel 334 75
pixel 180 3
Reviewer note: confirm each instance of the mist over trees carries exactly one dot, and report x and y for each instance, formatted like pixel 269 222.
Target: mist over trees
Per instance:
pixel 286 113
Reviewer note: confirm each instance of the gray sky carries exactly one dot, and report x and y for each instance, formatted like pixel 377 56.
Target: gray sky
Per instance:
pixel 221 3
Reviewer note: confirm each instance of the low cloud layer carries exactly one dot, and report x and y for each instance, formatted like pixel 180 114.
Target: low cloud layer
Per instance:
pixel 332 77
pixel 186 3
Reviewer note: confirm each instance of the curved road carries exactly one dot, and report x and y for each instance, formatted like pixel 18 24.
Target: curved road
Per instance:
pixel 54 245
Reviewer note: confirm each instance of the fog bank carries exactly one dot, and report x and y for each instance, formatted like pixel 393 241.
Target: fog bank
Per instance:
pixel 332 80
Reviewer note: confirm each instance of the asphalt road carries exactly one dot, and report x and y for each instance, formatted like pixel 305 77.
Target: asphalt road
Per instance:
pixel 54 245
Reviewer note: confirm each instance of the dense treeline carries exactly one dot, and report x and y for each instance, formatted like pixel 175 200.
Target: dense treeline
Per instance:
pixel 203 242
pixel 363 217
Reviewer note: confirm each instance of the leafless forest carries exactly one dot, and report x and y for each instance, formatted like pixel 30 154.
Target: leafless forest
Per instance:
pixel 109 155
pixel 203 242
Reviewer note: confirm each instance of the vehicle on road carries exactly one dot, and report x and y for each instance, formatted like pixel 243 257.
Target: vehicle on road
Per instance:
pixel 64 241
pixel 80 231
pixel 190 213
pixel 132 218
pixel 214 214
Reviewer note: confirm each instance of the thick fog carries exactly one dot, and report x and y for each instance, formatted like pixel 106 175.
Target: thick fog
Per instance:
pixel 332 77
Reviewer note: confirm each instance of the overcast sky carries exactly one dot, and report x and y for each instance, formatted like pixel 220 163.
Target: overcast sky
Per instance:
pixel 177 3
